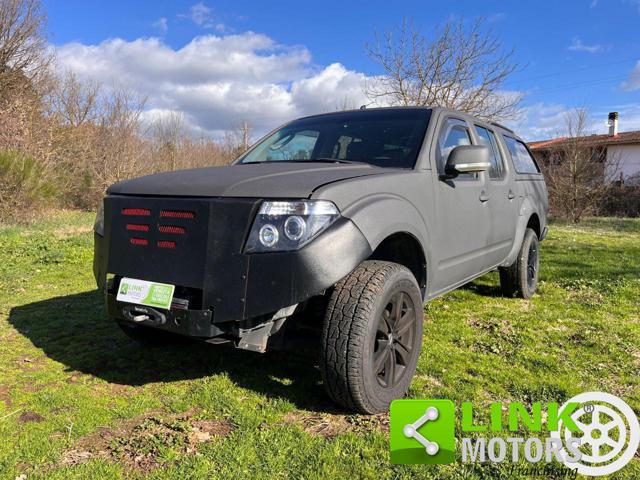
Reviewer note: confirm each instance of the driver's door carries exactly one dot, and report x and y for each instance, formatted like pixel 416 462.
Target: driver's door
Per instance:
pixel 462 214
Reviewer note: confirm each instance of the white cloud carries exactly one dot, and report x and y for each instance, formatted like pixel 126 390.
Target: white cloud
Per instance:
pixel 594 3
pixel 542 121
pixel 217 81
pixel 162 25
pixel 578 46
pixel 633 82
pixel 203 16
pixel 628 119
pixel 330 89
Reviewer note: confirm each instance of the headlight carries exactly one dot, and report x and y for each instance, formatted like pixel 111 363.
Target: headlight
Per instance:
pixel 282 226
pixel 98 225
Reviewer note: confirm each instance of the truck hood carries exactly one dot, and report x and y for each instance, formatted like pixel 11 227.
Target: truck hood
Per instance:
pixel 274 180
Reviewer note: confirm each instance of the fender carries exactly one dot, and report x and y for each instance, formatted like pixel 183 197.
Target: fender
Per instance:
pixel 381 215
pixel 525 212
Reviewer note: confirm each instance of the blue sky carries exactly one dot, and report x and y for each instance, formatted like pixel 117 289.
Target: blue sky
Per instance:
pixel 570 53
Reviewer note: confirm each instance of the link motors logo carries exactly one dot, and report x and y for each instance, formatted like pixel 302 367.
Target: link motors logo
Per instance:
pixel 593 433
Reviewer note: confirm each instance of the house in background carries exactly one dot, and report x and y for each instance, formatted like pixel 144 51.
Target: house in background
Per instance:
pixel 619 151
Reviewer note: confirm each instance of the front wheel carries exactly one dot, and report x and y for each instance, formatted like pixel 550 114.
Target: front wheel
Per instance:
pixel 521 278
pixel 371 336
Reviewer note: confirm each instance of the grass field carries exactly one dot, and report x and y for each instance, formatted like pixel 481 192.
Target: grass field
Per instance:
pixel 80 400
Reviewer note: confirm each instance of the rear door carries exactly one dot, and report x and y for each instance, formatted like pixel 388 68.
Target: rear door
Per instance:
pixel 463 221
pixel 502 203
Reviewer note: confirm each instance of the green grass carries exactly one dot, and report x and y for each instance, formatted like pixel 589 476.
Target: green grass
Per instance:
pixel 80 400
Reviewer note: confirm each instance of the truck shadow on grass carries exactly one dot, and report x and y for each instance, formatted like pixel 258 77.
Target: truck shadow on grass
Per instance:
pixel 75 331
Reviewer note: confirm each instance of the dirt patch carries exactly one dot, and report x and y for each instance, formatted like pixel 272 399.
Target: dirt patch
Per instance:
pixel 4 396
pixel 329 425
pixel 27 364
pixel 31 388
pixel 73 379
pixel 30 417
pixel 72 231
pixel 138 442
pixel 203 430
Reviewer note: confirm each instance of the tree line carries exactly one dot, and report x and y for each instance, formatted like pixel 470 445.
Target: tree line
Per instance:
pixel 63 141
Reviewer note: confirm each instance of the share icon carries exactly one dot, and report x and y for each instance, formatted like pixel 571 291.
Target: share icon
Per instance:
pixel 410 430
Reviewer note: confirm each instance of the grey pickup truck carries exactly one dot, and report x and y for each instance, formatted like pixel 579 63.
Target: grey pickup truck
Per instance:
pixel 345 221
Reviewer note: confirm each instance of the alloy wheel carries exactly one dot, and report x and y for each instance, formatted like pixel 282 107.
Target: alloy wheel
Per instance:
pixel 394 340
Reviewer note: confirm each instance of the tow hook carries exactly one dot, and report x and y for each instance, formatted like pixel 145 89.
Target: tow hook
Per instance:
pixel 140 314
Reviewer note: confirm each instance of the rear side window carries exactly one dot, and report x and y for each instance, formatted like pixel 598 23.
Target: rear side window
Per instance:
pixel 488 139
pixel 523 162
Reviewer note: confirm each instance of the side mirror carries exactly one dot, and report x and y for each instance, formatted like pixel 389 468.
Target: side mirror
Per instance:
pixel 467 159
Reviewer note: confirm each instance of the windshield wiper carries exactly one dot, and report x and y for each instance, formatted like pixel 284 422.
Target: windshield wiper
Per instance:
pixel 303 160
pixel 336 160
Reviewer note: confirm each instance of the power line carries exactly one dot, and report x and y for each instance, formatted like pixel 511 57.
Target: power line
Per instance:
pixel 588 83
pixel 580 69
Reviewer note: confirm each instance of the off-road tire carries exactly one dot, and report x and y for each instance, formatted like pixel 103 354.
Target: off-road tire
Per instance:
pixel 357 308
pixel 149 336
pixel 521 278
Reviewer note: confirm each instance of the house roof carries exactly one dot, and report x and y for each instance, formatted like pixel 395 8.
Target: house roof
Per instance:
pixel 593 140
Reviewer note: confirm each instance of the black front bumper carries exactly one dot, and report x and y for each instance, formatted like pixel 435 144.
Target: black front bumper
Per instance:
pixel 192 323
pixel 230 286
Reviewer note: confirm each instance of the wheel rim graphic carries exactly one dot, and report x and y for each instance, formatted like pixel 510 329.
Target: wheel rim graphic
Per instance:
pixel 607 452
pixel 604 439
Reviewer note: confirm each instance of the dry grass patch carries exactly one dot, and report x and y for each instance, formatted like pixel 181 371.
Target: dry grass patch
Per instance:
pixel 137 443
pixel 329 425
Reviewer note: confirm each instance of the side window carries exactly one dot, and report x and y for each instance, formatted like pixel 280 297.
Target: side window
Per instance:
pixel 488 139
pixel 523 162
pixel 454 133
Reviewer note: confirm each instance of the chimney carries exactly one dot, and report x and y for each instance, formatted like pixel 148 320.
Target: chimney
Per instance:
pixel 613 124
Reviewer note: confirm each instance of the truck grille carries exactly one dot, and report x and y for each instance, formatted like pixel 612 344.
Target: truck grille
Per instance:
pixel 158 239
pixel 192 243
pixel 161 227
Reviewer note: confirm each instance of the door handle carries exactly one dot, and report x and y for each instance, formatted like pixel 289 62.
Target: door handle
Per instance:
pixel 511 195
pixel 483 196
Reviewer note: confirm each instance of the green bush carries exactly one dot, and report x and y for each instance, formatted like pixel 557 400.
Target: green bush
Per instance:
pixel 26 187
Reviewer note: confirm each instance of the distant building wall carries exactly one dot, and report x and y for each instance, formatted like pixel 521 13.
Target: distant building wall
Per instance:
pixel 625 160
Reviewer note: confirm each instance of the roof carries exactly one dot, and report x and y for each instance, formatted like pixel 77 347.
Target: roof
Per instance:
pixel 592 140
pixel 366 110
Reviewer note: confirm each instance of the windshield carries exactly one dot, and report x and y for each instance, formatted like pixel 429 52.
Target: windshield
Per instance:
pixel 386 138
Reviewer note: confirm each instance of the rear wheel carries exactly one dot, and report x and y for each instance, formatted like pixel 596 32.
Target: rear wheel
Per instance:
pixel 521 278
pixel 371 336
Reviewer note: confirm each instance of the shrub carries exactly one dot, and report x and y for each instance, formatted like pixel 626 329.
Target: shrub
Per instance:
pixel 622 201
pixel 25 187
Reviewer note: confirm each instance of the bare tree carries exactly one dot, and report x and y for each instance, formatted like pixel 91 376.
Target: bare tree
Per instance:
pixel 168 135
pixel 77 103
pixel 461 66
pixel 238 140
pixel 346 103
pixel 118 144
pixel 24 57
pixel 579 173
pixel 24 61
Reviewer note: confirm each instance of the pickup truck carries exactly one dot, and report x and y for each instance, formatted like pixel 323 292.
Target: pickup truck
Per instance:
pixel 349 221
